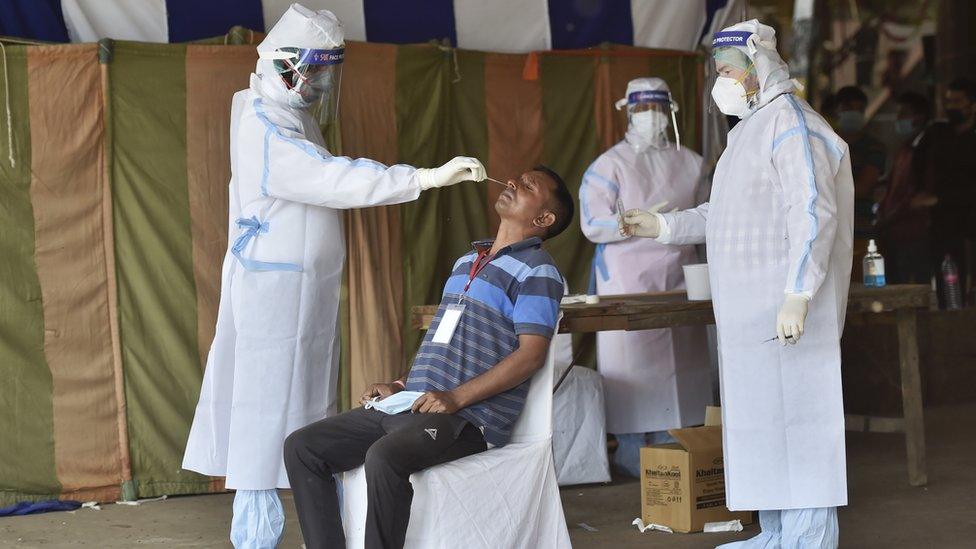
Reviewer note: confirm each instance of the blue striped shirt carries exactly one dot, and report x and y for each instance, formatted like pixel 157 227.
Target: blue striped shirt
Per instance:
pixel 517 293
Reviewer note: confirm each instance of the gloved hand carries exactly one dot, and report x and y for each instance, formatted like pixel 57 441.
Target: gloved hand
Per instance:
pixel 456 170
pixel 789 321
pixel 643 223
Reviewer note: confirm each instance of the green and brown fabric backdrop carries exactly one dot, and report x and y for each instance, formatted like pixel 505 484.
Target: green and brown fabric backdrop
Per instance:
pixel 114 227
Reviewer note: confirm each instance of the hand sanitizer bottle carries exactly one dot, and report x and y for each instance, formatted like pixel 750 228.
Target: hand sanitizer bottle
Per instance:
pixel 874 270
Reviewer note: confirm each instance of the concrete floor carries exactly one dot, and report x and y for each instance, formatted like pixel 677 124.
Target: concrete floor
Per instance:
pixel 884 512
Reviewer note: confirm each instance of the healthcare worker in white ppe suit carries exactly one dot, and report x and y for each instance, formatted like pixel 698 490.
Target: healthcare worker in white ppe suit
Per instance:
pixel 272 367
pixel 654 380
pixel 778 229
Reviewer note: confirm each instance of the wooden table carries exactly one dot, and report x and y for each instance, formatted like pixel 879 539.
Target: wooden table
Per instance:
pixel 897 304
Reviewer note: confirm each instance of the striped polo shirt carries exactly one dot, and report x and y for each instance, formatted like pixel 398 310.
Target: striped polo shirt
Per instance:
pixel 517 293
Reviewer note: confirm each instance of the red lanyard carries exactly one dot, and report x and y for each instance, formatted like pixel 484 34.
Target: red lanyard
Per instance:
pixel 479 264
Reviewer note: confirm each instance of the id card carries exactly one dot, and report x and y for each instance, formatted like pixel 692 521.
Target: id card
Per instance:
pixel 449 322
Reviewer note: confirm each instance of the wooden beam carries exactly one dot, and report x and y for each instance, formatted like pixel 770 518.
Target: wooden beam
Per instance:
pixel 911 395
pixel 898 303
pixel 874 424
pixel 650 321
pixel 668 309
pixel 422 316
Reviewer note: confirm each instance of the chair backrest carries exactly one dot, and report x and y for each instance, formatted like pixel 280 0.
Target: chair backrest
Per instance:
pixel 535 422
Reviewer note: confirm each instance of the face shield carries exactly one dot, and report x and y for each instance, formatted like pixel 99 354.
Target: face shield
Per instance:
pixel 736 88
pixel 312 77
pixel 649 112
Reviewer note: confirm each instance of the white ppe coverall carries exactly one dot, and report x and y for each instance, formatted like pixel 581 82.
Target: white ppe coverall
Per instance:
pixel 272 367
pixel 653 380
pixel 779 221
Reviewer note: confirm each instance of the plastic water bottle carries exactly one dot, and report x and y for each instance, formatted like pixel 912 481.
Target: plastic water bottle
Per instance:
pixel 874 271
pixel 951 291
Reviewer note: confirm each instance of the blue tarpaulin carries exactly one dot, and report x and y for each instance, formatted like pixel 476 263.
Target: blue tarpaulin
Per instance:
pixel 36 507
pixel 33 19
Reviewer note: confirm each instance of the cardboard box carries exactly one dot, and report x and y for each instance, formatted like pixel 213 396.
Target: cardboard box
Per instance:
pixel 713 415
pixel 683 484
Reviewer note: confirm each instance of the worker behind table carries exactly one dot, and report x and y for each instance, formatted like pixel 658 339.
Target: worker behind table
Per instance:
pixel 949 174
pixel 904 215
pixel 868 161
pixel 654 380
pixel 468 381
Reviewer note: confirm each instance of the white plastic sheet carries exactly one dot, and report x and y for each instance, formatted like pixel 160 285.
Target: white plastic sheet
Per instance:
pixel 667 24
pixel 579 439
pixel 507 26
pixel 505 497
pixel 350 13
pixel 92 20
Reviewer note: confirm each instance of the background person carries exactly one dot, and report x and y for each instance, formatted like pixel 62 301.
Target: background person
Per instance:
pixel 904 219
pixel 868 162
pixel 950 168
pixel 654 380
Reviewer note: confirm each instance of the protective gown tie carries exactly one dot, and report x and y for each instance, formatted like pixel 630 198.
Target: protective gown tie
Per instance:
pixel 253 228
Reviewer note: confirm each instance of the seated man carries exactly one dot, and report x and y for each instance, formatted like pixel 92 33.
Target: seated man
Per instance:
pixel 490 334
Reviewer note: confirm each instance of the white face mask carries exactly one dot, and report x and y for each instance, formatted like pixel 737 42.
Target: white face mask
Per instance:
pixel 730 96
pixel 649 123
pixel 296 100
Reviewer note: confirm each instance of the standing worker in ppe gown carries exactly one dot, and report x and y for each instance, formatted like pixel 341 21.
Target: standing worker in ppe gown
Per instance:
pixel 273 364
pixel 654 380
pixel 779 230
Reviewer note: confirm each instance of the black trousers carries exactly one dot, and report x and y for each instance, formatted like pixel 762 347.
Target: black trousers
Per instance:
pixel 391 447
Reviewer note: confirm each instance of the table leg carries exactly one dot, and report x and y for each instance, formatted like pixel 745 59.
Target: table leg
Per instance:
pixel 911 396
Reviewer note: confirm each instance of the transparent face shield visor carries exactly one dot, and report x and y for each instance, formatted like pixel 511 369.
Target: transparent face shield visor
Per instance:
pixel 658 101
pixel 313 78
pixel 729 60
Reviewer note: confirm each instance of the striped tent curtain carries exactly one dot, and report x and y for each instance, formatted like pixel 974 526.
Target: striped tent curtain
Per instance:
pixel 114 227
pixel 510 26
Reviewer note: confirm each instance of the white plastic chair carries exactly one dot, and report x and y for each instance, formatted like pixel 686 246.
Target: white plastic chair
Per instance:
pixel 504 497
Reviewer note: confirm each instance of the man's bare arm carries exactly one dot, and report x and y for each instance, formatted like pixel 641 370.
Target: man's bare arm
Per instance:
pixel 510 372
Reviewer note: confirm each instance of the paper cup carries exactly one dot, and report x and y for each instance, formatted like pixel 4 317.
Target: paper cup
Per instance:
pixel 696 282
